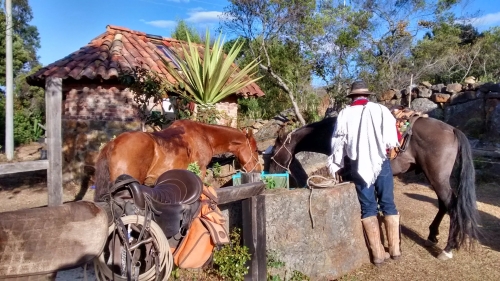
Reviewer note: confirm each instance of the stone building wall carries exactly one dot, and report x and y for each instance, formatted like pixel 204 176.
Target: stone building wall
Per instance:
pixel 92 115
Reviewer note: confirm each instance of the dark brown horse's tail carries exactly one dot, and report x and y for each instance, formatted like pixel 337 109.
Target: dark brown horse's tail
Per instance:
pixel 102 175
pixel 464 214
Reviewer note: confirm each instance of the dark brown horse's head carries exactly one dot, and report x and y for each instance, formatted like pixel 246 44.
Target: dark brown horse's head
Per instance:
pixel 281 154
pixel 248 154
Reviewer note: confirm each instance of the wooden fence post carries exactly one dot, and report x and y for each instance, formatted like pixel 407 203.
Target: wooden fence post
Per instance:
pixel 254 231
pixel 53 108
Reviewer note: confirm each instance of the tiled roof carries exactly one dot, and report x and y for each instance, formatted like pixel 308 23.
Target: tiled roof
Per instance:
pixel 119 50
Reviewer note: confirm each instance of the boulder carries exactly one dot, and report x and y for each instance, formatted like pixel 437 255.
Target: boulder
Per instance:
pixel 462 97
pixel 454 88
pixel 495 88
pixel 386 95
pixel 440 97
pixel 424 92
pixel 468 117
pixel 423 104
pixel 492 95
pixel 426 84
pixel 439 88
pixel 492 108
pixel 485 87
pixel 470 80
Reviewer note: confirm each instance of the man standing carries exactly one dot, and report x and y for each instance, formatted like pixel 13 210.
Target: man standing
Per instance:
pixel 363 132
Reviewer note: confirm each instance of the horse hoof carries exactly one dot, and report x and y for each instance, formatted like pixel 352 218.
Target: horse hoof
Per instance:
pixel 445 256
pixel 429 243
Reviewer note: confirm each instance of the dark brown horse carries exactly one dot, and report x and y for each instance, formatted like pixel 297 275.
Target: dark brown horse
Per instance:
pixel 145 156
pixel 439 150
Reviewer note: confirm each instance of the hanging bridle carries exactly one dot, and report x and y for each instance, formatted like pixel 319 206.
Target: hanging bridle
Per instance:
pixel 287 140
pixel 252 158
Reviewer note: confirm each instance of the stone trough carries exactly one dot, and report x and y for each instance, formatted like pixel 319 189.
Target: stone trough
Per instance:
pixel 319 234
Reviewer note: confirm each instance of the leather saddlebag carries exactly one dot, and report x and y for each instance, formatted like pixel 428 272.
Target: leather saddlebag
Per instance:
pixel 207 230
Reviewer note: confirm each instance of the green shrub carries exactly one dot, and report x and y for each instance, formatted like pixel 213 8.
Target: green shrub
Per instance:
pixel 230 261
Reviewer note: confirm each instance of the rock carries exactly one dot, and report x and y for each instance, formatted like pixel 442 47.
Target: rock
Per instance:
pixel 454 88
pixel 386 95
pixel 495 88
pixel 470 80
pixel 492 95
pixel 424 92
pixel 492 108
pixel 468 117
pixel 440 97
pixel 424 105
pixel 257 125
pixel 463 97
pixel 485 87
pixel 426 84
pixel 439 88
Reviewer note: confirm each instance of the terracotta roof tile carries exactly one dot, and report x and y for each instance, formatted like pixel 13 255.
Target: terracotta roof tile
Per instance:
pixel 117 50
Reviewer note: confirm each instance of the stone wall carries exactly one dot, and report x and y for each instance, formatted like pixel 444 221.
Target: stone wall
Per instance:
pixel 333 247
pixel 473 107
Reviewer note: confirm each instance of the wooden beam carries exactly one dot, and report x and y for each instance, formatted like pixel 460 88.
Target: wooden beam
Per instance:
pixel 18 167
pixel 254 230
pixel 254 236
pixel 239 192
pixel 53 108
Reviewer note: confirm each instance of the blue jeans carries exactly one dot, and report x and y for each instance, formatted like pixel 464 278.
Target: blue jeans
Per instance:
pixel 380 193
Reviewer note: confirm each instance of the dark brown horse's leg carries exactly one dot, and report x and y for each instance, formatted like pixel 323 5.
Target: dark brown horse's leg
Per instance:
pixel 434 227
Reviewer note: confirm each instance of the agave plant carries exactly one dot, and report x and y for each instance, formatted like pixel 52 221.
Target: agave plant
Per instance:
pixel 207 81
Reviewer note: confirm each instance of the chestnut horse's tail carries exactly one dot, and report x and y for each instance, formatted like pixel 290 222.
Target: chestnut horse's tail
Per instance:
pixel 464 212
pixel 102 174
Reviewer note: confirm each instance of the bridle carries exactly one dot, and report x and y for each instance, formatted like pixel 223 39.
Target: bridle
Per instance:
pixel 252 158
pixel 287 140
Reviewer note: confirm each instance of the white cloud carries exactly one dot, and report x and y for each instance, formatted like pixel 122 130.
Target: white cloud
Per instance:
pixel 486 20
pixel 161 23
pixel 197 16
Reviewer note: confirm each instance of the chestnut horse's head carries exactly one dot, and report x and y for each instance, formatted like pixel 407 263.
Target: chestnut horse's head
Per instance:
pixel 248 154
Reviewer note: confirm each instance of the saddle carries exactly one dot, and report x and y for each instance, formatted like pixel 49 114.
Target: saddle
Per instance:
pixel 405 118
pixel 183 207
pixel 174 199
pixel 38 241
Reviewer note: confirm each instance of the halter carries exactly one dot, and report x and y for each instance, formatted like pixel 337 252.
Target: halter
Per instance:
pixel 287 140
pixel 252 158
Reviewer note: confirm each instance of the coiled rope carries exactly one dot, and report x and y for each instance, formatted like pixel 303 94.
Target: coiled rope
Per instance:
pixel 325 183
pixel 103 272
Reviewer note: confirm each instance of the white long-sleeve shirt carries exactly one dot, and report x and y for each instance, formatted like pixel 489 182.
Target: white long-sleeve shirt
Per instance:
pixel 363 132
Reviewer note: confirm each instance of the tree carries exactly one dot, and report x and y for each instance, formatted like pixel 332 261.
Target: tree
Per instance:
pixel 263 23
pixel 183 30
pixel 26 39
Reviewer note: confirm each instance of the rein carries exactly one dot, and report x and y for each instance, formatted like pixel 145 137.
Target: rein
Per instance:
pixel 287 140
pixel 252 158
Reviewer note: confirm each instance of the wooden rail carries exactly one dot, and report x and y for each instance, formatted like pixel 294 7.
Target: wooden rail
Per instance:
pixel 53 164
pixel 254 221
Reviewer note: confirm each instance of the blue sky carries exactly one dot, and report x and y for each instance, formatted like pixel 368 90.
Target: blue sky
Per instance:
pixel 67 25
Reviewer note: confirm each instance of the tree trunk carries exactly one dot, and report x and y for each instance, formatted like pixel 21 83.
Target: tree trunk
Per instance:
pixel 285 88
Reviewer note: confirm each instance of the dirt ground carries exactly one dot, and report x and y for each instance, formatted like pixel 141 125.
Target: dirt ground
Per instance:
pixel 417 205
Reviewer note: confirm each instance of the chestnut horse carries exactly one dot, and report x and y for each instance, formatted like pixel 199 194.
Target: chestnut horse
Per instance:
pixel 434 148
pixel 145 156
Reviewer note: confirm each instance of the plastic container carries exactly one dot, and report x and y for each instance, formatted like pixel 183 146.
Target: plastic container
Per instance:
pixel 281 180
